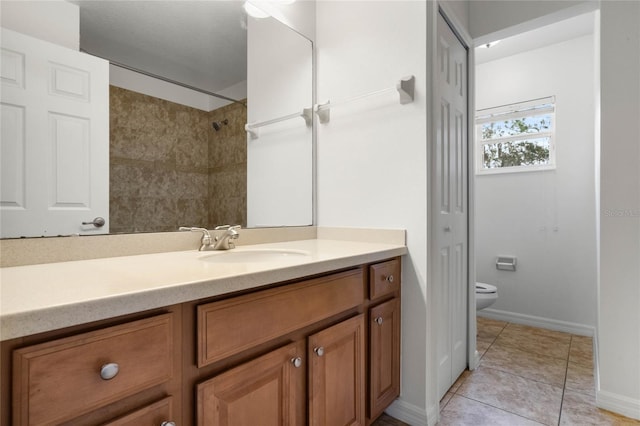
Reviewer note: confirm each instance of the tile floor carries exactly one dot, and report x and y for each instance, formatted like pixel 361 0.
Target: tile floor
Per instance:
pixel 527 377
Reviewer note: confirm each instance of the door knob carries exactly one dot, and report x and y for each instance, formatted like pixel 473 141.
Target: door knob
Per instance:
pixel 98 222
pixel 378 320
pixel 297 362
pixel 319 351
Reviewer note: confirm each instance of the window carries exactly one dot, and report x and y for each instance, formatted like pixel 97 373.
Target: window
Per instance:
pixel 516 138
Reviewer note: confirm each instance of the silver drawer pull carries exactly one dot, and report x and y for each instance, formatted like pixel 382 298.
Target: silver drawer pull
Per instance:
pixel 319 351
pixel 168 424
pixel 109 371
pixel 378 320
pixel 297 362
pixel 389 279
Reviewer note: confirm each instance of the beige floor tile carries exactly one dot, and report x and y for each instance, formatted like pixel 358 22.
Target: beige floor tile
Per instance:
pixel 527 398
pixel 526 364
pixel 463 411
pixel 445 400
pixel 483 321
pixel 580 409
pixel 537 331
pixel 387 420
pixel 536 340
pixel 580 379
pixel 488 329
pixel 482 346
pixel 459 381
pixel 581 351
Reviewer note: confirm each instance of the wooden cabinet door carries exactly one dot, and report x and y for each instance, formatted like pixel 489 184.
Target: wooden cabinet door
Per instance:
pixel 384 356
pixel 336 374
pixel 267 391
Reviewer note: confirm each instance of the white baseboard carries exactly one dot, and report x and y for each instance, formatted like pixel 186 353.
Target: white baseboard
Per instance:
pixel 409 413
pixel 626 406
pixel 548 323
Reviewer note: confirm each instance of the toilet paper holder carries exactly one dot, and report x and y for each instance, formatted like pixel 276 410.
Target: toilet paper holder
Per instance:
pixel 506 263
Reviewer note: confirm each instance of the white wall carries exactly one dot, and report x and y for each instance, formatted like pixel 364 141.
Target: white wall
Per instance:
pixel 55 21
pixel 619 304
pixel 459 9
pixel 280 161
pixel 547 218
pixel 299 15
pixel 130 80
pixel 372 155
pixel 490 16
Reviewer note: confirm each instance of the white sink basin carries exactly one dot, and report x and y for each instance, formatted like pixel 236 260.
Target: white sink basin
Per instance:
pixel 256 256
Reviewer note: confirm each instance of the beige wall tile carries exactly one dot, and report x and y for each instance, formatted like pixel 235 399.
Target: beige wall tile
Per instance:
pixel 170 168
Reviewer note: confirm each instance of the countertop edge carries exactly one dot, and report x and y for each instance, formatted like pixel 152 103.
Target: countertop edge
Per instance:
pixel 57 317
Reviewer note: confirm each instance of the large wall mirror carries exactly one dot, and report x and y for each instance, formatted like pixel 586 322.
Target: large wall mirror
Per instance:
pixel 184 80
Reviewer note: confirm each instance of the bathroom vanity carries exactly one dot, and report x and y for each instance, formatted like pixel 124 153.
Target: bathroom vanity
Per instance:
pixel 309 334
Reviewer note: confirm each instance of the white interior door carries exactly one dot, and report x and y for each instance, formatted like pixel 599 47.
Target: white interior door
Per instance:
pixel 54 156
pixel 450 207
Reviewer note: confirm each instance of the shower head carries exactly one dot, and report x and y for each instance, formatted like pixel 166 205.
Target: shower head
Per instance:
pixel 217 125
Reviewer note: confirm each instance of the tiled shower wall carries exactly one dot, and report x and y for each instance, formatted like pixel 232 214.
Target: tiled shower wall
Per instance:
pixel 165 160
pixel 228 167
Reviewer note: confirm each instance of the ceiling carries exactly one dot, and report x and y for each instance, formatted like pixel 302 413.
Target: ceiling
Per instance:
pixel 544 36
pixel 199 43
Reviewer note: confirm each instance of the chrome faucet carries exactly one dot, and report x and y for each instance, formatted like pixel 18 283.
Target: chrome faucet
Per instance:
pixel 225 241
pixel 205 242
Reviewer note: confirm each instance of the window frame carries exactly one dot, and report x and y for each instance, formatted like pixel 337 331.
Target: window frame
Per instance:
pixel 532 108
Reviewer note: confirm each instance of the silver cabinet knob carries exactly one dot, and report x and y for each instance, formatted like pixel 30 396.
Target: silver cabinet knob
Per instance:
pixel 389 279
pixel 98 222
pixel 109 371
pixel 297 362
pixel 168 424
pixel 378 320
pixel 319 351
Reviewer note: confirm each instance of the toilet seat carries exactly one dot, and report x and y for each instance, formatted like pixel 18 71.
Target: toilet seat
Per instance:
pixel 485 288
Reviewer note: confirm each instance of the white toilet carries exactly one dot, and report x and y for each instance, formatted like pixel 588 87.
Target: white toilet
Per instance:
pixel 486 295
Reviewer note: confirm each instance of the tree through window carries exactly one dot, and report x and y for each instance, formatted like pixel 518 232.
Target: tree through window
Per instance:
pixel 516 137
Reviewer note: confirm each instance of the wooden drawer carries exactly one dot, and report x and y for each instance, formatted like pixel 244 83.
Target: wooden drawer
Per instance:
pixel 231 326
pixel 152 415
pixel 384 278
pixel 59 380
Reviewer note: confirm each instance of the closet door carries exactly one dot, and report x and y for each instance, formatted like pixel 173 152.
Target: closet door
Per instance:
pixel 450 223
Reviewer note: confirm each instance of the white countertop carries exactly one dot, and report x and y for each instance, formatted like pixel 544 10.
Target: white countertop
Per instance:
pixel 38 298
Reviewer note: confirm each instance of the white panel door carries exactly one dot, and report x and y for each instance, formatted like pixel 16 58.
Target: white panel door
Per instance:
pixel 54 151
pixel 450 224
